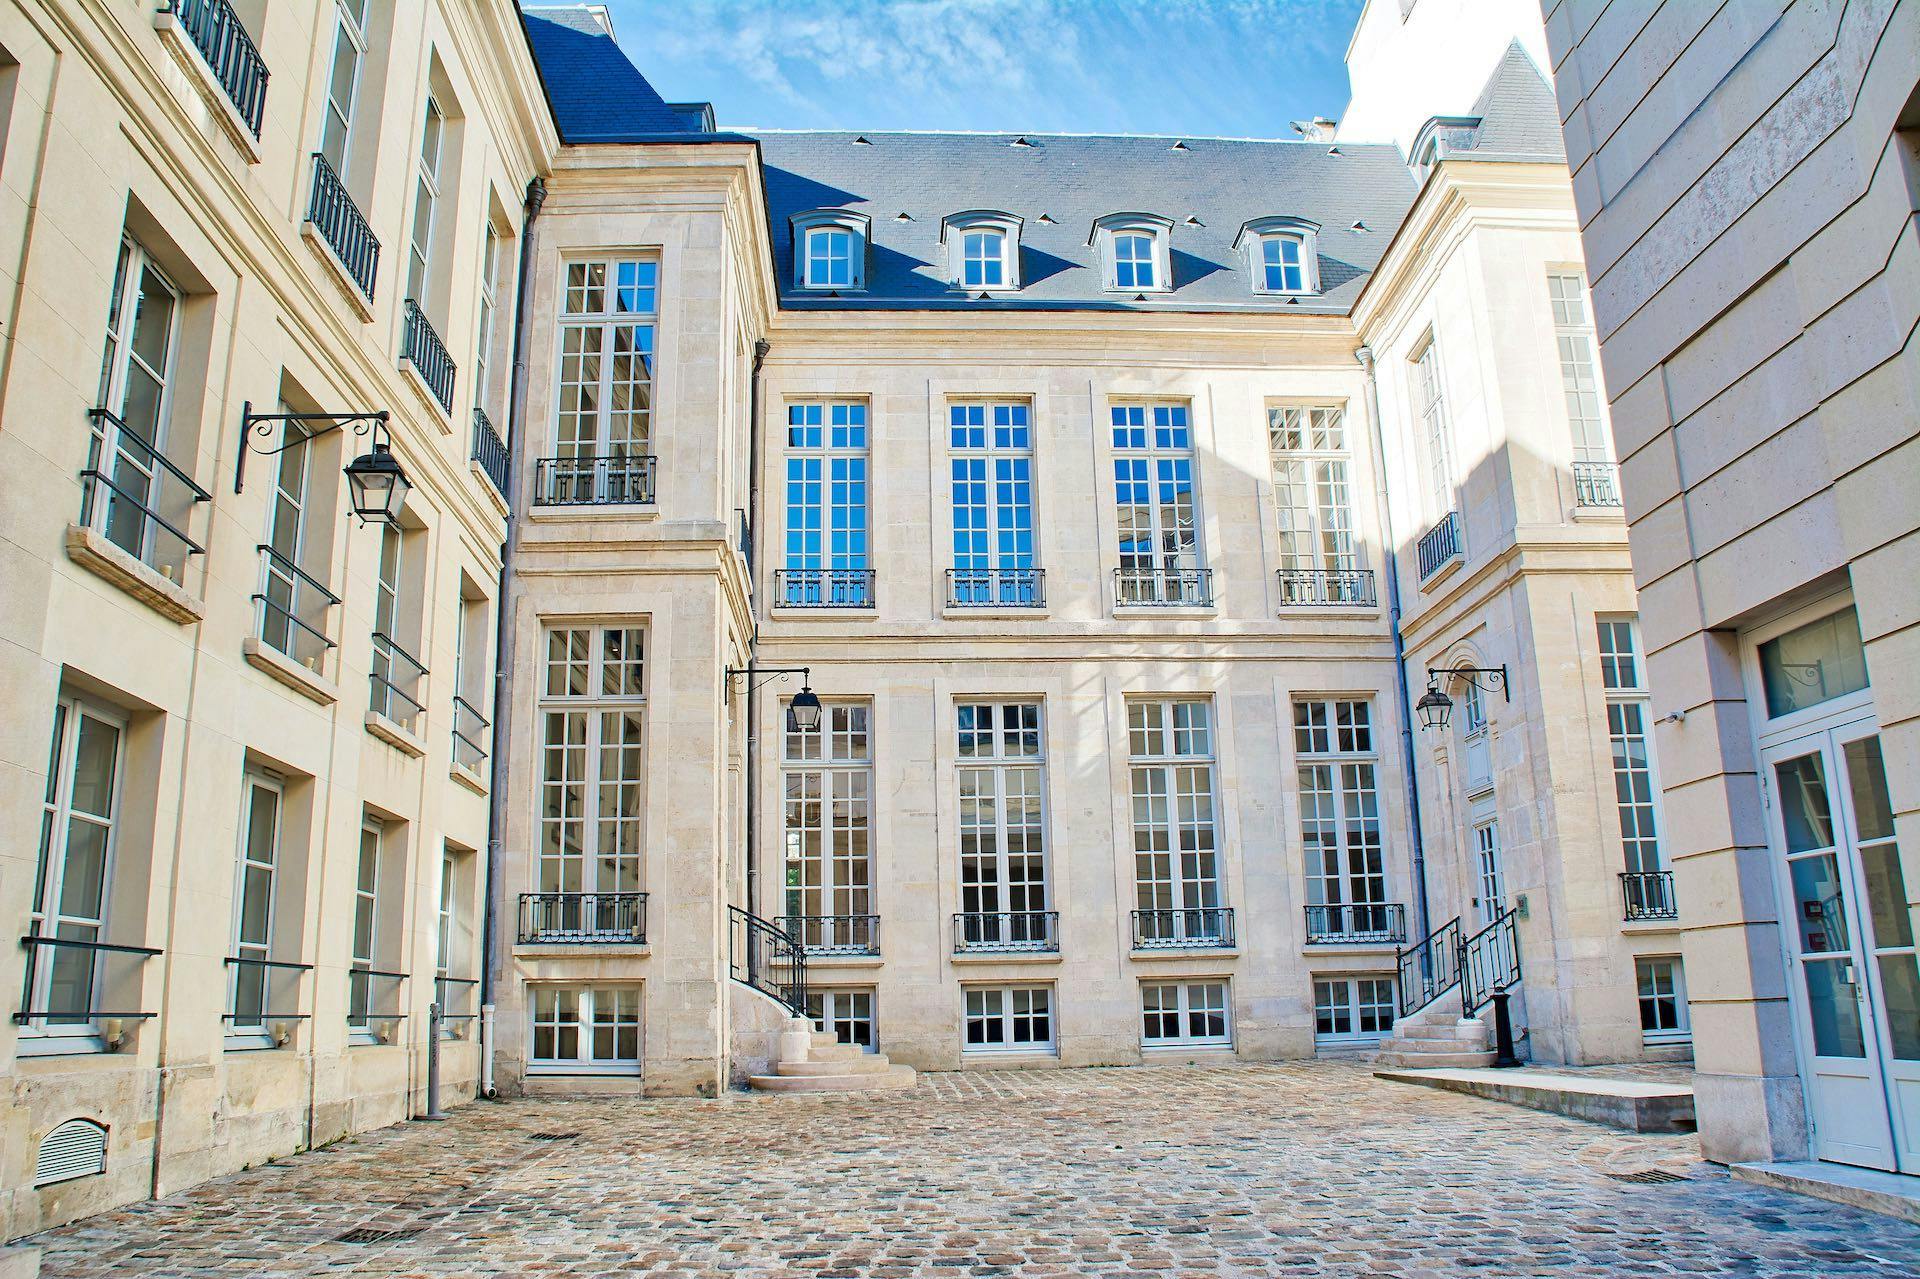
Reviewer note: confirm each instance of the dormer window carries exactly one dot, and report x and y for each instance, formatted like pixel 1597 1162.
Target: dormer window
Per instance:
pixel 1282 254
pixel 1133 252
pixel 983 250
pixel 830 250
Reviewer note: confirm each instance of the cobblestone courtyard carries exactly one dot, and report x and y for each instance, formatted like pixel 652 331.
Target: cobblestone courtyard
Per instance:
pixel 1297 1169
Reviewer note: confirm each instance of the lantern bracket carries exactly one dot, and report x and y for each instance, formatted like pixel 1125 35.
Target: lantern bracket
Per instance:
pixel 261 425
pixel 1494 676
pixel 771 672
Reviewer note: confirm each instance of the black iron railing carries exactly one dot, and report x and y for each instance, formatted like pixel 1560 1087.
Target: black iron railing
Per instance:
pixel 996 587
pixel 290 612
pixel 1300 587
pixel 1489 963
pixel 768 958
pixel 1429 967
pixel 331 210
pixel 396 680
pixel 257 989
pixel 469 732
pixel 594 481
pixel 490 451
pixel 223 41
pixel 67 979
pixel 1003 931
pixel 1596 484
pixel 583 919
pixel 835 934
pixel 823 587
pixel 1648 894
pixel 373 996
pixel 133 495
pixel 1191 927
pixel 420 346
pixel 1166 587
pixel 455 995
pixel 1357 923
pixel 1440 545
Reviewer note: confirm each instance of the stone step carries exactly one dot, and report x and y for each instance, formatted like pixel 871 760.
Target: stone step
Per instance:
pixel 1640 1105
pixel 836 1051
pixel 1391 1057
pixel 863 1064
pixel 825 1039
pixel 1450 1032
pixel 893 1079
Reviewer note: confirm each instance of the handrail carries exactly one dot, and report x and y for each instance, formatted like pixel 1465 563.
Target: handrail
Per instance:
pixel 996 587
pixel 1155 587
pixel 766 957
pixel 1351 587
pixel 844 934
pixel 1489 962
pixel 1336 923
pixel 626 479
pixel 384 642
pixel 359 971
pixel 266 963
pixel 74 1016
pixel 230 54
pixel 128 435
pixel 1003 931
pixel 1647 894
pixel 1429 968
pixel 583 918
pixel 824 587
pixel 299 572
pixel 41 939
pixel 1188 927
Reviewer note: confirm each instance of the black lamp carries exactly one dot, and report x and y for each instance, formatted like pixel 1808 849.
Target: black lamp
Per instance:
pixel 803 712
pixel 1435 708
pixel 379 486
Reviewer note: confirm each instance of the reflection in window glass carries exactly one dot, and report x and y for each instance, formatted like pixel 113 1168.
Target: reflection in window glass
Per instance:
pixel 1814 664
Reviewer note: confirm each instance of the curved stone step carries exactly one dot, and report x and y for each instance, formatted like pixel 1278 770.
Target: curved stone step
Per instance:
pixel 837 1051
pixel 893 1079
pixel 1401 1059
pixel 864 1064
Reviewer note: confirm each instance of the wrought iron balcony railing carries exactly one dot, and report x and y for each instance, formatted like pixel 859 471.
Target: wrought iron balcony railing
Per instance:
pixel 76 985
pixel 1166 587
pixel 290 612
pixel 835 934
pixel 1190 927
pixel 583 919
pixel 470 735
pixel 1596 484
pixel 996 587
pixel 626 479
pixel 1006 931
pixel 1648 894
pixel 766 957
pixel 823 587
pixel 490 451
pixel 262 991
pixel 223 41
pixel 1441 545
pixel 333 213
pixel 1301 587
pixel 1357 923
pixel 396 680
pixel 134 497
pixel 420 346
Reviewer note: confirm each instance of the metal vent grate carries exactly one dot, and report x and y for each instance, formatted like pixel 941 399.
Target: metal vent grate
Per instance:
pixel 1647 1177
pixel 552 1136
pixel 373 1234
pixel 77 1148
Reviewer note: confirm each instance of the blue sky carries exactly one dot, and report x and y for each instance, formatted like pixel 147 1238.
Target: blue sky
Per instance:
pixel 1235 68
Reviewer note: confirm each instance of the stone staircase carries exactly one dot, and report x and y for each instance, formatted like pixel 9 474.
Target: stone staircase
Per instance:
pixel 1437 1036
pixel 815 1061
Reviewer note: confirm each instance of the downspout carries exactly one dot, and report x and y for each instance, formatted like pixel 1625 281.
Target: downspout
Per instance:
pixel 1422 924
pixel 503 644
pixel 760 348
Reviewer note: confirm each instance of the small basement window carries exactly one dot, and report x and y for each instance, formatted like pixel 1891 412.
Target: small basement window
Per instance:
pixel 77 1148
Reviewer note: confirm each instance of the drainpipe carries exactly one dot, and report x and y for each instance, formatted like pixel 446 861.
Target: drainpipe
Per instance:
pixel 503 643
pixel 1423 925
pixel 760 348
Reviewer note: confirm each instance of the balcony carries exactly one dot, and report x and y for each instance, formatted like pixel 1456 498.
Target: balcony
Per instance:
pixel 135 505
pixel 1326 588
pixel 1441 545
pixel 290 612
pixel 470 729
pixel 1189 928
pixel 421 347
pixel 216 31
pixel 583 919
pixel 823 587
pixel 78 992
pixel 624 480
pixel 1357 924
pixel 1007 932
pixel 1596 486
pixel 835 934
pixel 996 588
pixel 1647 894
pixel 1163 587
pixel 490 452
pixel 396 680
pixel 338 220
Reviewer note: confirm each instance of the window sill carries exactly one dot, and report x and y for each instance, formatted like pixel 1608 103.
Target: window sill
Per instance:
pixel 442 415
pixel 584 950
pixel 581 512
pixel 816 959
pixel 1184 952
pixel 823 611
pixel 1347 1043
pixel 1317 949
pixel 181 46
pixel 1140 611
pixel 99 556
pixel 999 612
pixel 1001 957
pixel 467 777
pixel 361 304
pixel 1009 1056
pixel 1600 515
pixel 1442 573
pixel 620 1070
pixel 1328 612
pixel 251 1044
pixel 1666 1038
pixel 65 1047
pixel 276 665
pixel 1175 1046
pixel 1645 927
pixel 397 735
pixel 493 494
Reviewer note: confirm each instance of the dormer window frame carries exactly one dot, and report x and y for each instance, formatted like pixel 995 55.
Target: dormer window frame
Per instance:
pixel 1262 235
pixel 856 227
pixel 956 232
pixel 1110 231
pixel 1438 138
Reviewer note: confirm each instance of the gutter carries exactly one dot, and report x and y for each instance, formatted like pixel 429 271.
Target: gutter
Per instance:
pixel 503 644
pixel 760 348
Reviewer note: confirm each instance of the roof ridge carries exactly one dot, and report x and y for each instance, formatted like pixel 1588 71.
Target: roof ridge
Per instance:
pixel 1041 133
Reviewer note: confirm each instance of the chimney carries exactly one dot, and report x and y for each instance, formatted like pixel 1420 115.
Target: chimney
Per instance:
pixel 1318 129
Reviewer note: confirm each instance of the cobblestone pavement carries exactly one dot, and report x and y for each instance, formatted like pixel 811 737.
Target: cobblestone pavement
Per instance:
pixel 1312 1168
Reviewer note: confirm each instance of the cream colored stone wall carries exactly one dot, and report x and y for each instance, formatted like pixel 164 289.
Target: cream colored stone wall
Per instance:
pixel 112 122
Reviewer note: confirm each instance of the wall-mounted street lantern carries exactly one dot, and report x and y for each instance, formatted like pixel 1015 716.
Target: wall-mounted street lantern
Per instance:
pixel 1436 708
pixel 377 484
pixel 803 712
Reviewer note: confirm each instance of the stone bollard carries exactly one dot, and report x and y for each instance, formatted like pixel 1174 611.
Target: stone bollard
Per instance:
pixel 796 1039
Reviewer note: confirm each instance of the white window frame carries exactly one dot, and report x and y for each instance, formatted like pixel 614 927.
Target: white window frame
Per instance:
pixel 588 1001
pixel 372 848
pixel 608 317
pixel 1184 1008
pixel 488 301
pixel 829 772
pixel 1264 238
pixel 135 468
pixel 1589 431
pixel 349 24
pixel 1005 1011
pixel 990 456
pixel 1161 748
pixel 1109 230
pixel 611 846
pixel 1337 737
pixel 426 201
pixel 1489 874
pixel 957 232
pixel 843 1011
pixel 1337 995
pixel 1629 720
pixel 1146 440
pixel 855 226
pixel 1430 397
pixel 989 775
pixel 1312 471
pixel 1682 1031
pixel 241 1033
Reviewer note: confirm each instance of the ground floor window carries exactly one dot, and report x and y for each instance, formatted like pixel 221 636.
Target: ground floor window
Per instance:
pixel 1184 1012
pixel 847 1013
pixel 1009 1019
pixel 585 1030
pixel 1352 1009
pixel 1663 1000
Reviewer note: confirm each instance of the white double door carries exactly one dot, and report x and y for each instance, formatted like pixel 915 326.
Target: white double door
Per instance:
pixel 1850 944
